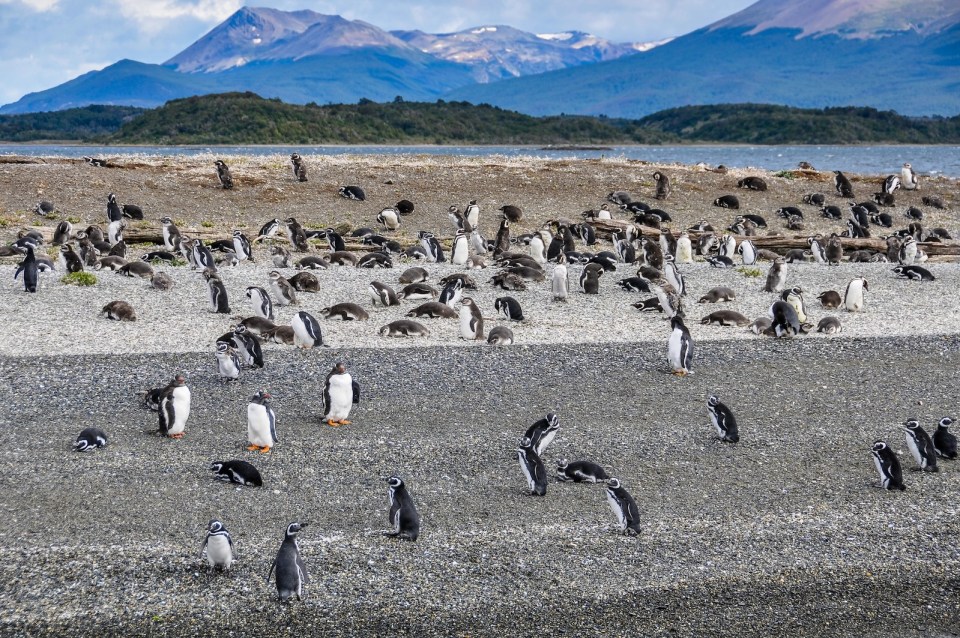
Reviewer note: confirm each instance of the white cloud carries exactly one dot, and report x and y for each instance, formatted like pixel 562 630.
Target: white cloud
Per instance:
pixel 152 16
pixel 36 5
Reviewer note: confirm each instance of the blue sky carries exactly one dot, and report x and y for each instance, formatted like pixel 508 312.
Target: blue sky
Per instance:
pixel 47 42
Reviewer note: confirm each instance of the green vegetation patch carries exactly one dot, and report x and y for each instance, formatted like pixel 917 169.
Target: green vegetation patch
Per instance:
pixel 82 278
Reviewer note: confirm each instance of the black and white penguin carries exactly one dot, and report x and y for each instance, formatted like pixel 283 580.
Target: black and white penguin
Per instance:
pixel 918 273
pixel 559 283
pixel 727 201
pixel 752 183
pixel 389 218
pixel 44 208
pixel 90 439
pixel 460 249
pixel 776 276
pixel 289 565
pixel 944 442
pixel 306 331
pixel 431 245
pixel 261 423
pixel 340 393
pixel 352 192
pixel 623 507
pixel 114 212
pixel 794 297
pixel 282 289
pixel 723 420
pixel 908 179
pixel 418 291
pixel 217 292
pixel 532 467
pixel 580 472
pixel 510 308
pixel 241 246
pixel 228 363
pixel 891 184
pixel 61 234
pixel 403 513
pixel 829 325
pixel 921 446
pixel 224 175
pixel 71 261
pixel 888 466
pixel 673 275
pixel 202 257
pixel 375 259
pixel 471 320
pixel 239 472
pixel 247 345
pixel 170 233
pixel 784 319
pixel 842 184
pixel 174 408
pixel 31 273
pixel 853 295
pixel 500 336
pixel 218 545
pixel 663 185
pixel 908 251
pixel 542 433
pixel 680 348
pixel 383 294
pixel 590 278
pixel 260 301
pixel 296 234
pixel 748 252
pixel 299 168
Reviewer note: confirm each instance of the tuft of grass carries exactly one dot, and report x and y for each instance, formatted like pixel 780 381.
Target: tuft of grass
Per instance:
pixel 5 221
pixel 178 262
pixel 749 271
pixel 82 278
pixel 206 224
pixel 786 175
pixel 73 219
pixel 343 229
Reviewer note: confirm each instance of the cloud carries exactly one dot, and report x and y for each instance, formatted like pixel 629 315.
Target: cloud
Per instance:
pixel 36 5
pixel 153 16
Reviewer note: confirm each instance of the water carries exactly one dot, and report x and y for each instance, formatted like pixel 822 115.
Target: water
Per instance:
pixel 871 160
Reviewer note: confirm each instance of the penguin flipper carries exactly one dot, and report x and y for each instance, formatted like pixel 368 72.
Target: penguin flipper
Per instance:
pixel 302 569
pixel 356 392
pixel 203 545
pixel 16 274
pixel 272 567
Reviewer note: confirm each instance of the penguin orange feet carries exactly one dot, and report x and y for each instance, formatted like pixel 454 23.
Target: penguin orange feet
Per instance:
pixel 333 423
pixel 264 449
pixel 254 448
pixel 177 436
pixel 345 422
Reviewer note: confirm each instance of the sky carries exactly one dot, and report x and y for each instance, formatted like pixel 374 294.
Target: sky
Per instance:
pixel 48 42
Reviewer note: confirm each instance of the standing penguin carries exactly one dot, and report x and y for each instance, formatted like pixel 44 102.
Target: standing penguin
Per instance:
pixel 542 433
pixel 680 348
pixel 299 168
pixel 673 275
pixel 261 302
pixel 242 247
pixel 723 420
pixel 289 565
pixel 559 282
pixel 908 179
pixel 171 234
pixel 306 331
pixel 684 252
pixel 261 423
pixel 218 545
pixel 842 184
pixel 944 442
pixel 389 218
pixel 853 295
pixel 590 278
pixel 776 276
pixel 71 260
pixel 663 185
pixel 921 446
pixel 228 363
pixel 908 251
pixel 794 297
pixel 460 250
pixel 31 273
pixel 471 321
pixel 623 507
pixel 248 346
pixel 748 252
pixel 533 468
pixel 340 392
pixel 403 513
pixel 472 213
pixel 174 408
pixel 833 253
pixel 502 243
pixel 888 466
pixel 114 212
pixel 217 292
pixel 224 175
pixel 282 289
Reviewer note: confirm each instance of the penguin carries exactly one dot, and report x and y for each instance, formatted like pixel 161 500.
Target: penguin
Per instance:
pixel 451 293
pixel 247 345
pixel 382 293
pixel 114 212
pixel 241 246
pixel 670 303
pixel 673 276
pixel 403 513
pixel 784 320
pixel 472 213
pixel 510 308
pixel 404 328
pixel 119 311
pixel 289 565
pixel 890 184
pixel 888 466
pixel 433 310
pixel 219 302
pixel 500 336
pixel 477 243
pixel 61 234
pixel 533 468
pixel 224 175
pixel 542 432
pixel 239 472
pixel 139 269
pixel 305 282
pixel 833 253
pixel 944 442
pixel 727 201
pixel 635 284
pixel 346 311
pixel 623 507
pixel 170 233
pixel 829 325
pixel 70 258
pixel 680 348
pixel 590 278
pixel 918 273
pixel 340 392
pixel 257 325
pixel 202 257
pixel 260 300
pixel 511 213
pixel 830 299
pixel 842 184
pixel 174 408
pixel 31 273
pixel 460 250
pixel 471 321
pixel 389 218
pixel 794 297
pixel 933 200
pixel 538 250
pixel 218 545
pixel 624 249
pixel 723 420
pixel 44 208
pixel 752 183
pixel 90 439
pixel 684 252
pixel 502 243
pixel 228 363
pixel 853 295
pixel 413 275
pixel 306 331
pixel 747 252
pixel 299 168
pixel 908 179
pixel 663 185
pixel 261 423
pixel 776 276
pixel 280 334
pixel 908 252
pixel 814 199
pixel 580 472
pixel 352 192
pixel 296 235
pixel 720 293
pixel 725 318
pixel 921 446
pixel 375 259
pixel 456 218
pixel 760 325
pixel 281 288
pixel 268 230
pixel 720 262
pixel 817 249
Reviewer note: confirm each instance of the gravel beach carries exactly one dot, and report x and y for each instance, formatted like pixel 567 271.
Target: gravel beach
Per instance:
pixel 780 534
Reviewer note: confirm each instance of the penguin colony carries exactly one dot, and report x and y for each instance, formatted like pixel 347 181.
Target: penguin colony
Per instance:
pixel 522 259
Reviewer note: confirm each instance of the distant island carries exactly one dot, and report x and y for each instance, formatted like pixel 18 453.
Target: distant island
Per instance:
pixel 246 118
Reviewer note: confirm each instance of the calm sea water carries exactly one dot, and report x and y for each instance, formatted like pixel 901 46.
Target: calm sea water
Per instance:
pixel 928 160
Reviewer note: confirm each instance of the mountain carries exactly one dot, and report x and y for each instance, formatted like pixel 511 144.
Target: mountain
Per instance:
pixel 803 53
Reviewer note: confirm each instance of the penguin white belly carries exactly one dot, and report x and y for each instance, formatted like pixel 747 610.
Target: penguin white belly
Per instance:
pixel 675 350
pixel 467 330
pixel 341 397
pixel 258 426
pixel 559 283
pixel 617 511
pixel 884 479
pixel 460 252
pixel 915 451
pixel 219 552
pixel 854 298
pixel 227 366
pixel 531 483
pixel 181 410
pixel 684 251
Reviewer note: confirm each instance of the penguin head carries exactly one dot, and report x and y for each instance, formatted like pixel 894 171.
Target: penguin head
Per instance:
pixel 945 422
pixel 294 528
pixel 179 380
pixel 713 400
pixel 216 466
pixel 562 465
pixel 222 347
pixel 339 368
pixel 911 425
pixel 879 446
pixel 214 526
pixel 394 481
pixel 553 420
pixel 613 483
pixel 525 443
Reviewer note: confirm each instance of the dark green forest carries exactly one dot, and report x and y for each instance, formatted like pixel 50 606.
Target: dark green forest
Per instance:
pixel 246 118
